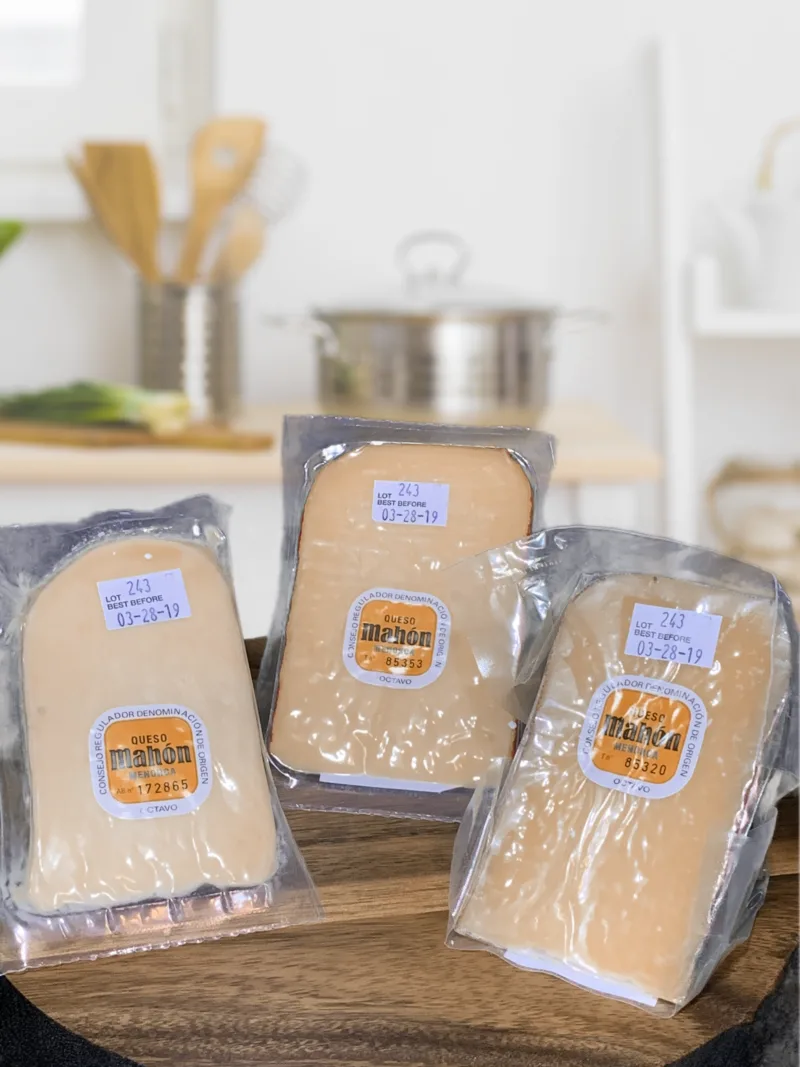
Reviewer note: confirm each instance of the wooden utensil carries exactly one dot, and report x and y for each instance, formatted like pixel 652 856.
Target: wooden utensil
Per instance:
pixel 241 247
pixel 122 183
pixel 102 216
pixel 93 197
pixel 224 155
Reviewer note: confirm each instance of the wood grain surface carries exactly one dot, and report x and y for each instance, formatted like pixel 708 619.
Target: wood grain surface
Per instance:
pixel 375 985
pixel 386 991
pixel 199 435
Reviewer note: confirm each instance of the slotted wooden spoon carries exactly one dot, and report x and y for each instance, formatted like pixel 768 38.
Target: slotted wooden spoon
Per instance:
pixel 224 154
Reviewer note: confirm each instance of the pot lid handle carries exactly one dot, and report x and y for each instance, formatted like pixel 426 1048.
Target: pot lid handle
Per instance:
pixel 445 262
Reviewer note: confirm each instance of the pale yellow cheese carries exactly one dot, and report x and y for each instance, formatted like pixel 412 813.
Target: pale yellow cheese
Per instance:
pixel 327 721
pixel 616 885
pixel 74 670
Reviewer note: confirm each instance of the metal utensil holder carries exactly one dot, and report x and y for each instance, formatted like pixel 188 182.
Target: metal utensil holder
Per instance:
pixel 189 341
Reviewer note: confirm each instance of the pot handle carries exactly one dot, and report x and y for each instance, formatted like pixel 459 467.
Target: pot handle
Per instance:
pixel 766 171
pixel 417 276
pixel 308 325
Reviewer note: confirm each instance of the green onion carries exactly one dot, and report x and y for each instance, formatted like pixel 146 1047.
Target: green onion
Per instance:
pixel 101 403
pixel 9 232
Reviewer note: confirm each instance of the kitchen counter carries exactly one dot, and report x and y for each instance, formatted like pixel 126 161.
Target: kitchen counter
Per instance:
pixel 592 448
pixel 374 985
pixel 603 477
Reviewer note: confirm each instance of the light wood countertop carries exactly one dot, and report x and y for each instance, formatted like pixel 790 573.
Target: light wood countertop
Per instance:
pixel 592 448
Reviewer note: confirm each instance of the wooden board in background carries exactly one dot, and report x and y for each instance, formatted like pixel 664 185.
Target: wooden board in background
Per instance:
pixel 198 435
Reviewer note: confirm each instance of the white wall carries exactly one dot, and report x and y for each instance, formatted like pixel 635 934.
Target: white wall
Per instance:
pixel 67 301
pixel 469 116
pixel 67 309
pixel 528 128
pixel 525 126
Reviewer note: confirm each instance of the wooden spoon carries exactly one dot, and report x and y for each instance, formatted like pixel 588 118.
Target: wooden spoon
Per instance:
pixel 224 155
pixel 93 197
pixel 105 219
pixel 121 182
pixel 242 245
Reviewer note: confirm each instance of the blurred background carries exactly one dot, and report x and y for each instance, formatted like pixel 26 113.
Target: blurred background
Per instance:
pixel 581 216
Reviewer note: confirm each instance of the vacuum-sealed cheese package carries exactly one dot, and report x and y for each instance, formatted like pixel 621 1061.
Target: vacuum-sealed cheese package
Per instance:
pixel 371 694
pixel 136 804
pixel 623 847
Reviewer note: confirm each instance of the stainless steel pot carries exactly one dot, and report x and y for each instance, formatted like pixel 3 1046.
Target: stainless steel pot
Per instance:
pixel 439 345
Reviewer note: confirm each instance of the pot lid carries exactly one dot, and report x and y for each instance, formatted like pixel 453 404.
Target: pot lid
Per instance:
pixel 432 264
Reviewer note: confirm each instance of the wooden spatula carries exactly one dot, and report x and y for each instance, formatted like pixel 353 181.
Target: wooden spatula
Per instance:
pixel 93 198
pixel 241 246
pixel 121 181
pixel 224 154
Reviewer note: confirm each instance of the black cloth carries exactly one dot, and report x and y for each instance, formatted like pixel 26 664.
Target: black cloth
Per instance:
pixel 768 1040
pixel 28 1038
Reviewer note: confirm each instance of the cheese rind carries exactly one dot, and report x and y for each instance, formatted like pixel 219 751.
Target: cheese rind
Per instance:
pixel 75 670
pixel 599 878
pixel 326 720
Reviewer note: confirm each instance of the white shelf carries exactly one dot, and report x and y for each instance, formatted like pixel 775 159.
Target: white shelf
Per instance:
pixel 712 319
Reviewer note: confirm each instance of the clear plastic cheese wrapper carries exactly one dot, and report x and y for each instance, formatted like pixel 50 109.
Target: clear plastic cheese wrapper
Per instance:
pixel 371 696
pixel 136 805
pixel 623 846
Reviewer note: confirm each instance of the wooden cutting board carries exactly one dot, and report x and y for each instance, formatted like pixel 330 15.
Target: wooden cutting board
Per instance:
pixel 199 435
pixel 375 986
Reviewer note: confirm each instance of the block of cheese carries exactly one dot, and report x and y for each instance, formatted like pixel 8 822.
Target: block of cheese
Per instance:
pixel 377 679
pixel 611 833
pixel 147 777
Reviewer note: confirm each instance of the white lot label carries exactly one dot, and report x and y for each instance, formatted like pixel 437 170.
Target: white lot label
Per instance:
pixel 410 503
pixel 688 637
pixel 144 599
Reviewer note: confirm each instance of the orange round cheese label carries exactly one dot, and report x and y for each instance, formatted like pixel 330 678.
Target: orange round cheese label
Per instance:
pixel 642 735
pixel 149 761
pixel 396 638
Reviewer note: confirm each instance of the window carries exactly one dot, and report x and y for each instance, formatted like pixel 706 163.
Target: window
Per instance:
pixel 75 70
pixel 41 42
